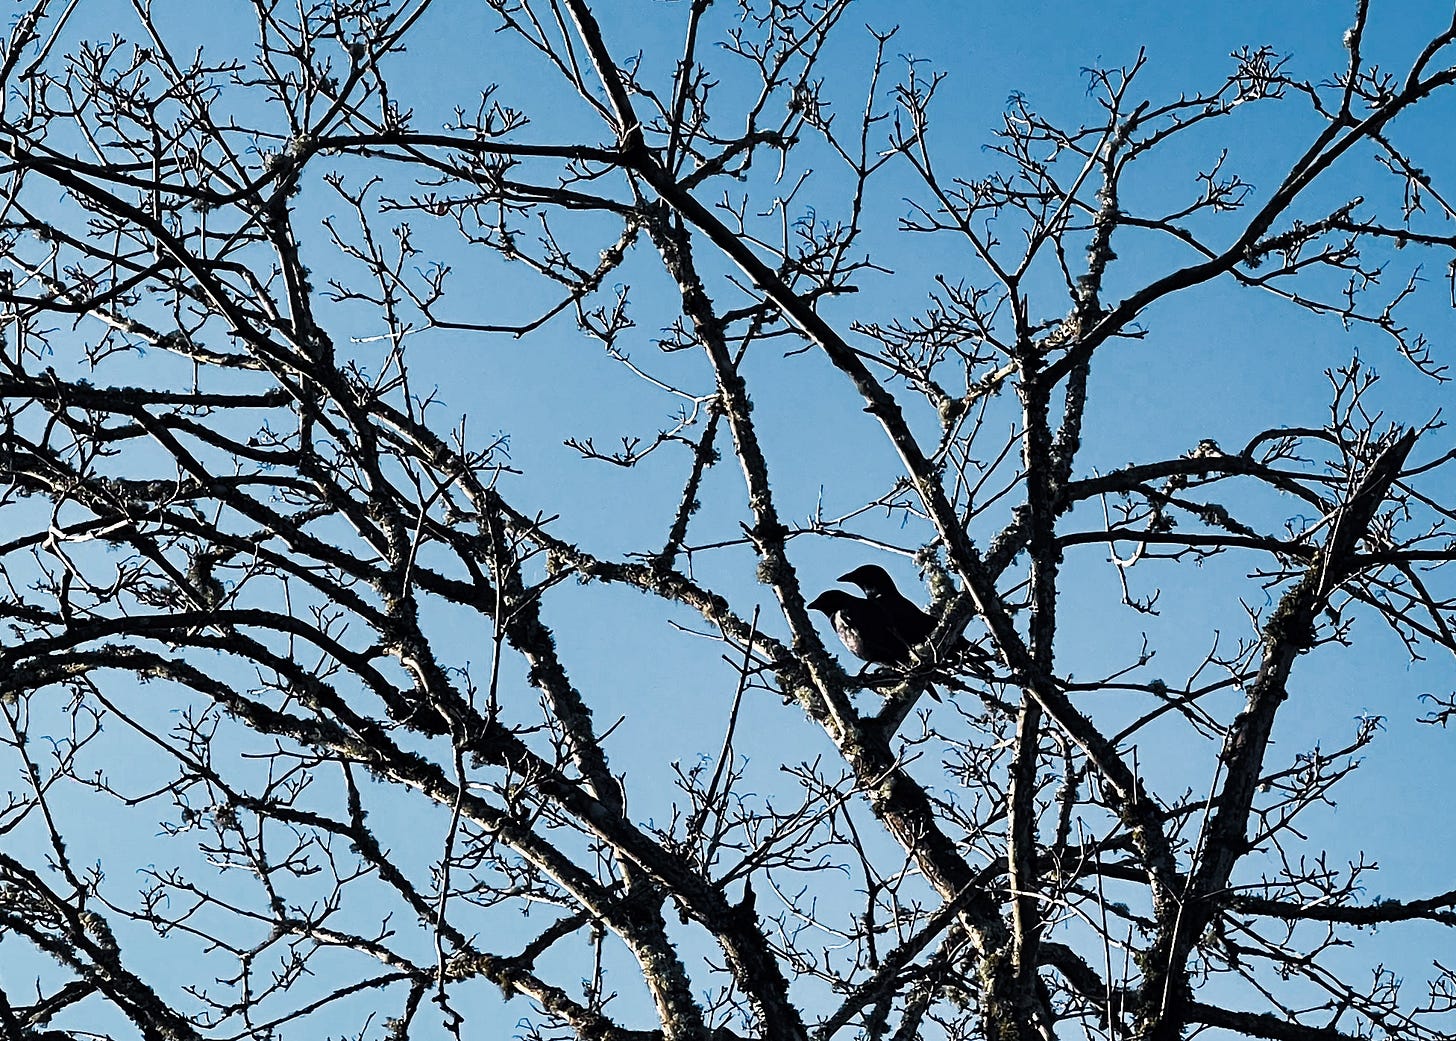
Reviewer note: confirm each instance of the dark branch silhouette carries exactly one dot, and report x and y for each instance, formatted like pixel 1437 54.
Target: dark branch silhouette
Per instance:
pixel 409 490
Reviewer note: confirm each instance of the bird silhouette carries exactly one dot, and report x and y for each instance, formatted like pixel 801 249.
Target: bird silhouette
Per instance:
pixel 866 629
pixel 906 621
pixel 863 627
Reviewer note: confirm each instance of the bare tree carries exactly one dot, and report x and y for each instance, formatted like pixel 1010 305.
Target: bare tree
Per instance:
pixel 304 726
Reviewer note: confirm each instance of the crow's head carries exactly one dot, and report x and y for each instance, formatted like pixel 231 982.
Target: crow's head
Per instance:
pixel 872 578
pixel 833 600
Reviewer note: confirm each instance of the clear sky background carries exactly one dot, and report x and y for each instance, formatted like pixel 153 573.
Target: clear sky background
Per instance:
pixel 1216 363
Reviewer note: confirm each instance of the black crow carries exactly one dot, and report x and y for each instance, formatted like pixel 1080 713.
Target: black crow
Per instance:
pixel 865 629
pixel 910 624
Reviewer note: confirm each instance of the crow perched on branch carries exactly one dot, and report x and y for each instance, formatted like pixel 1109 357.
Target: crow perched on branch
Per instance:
pixel 864 627
pixel 883 627
pixel 906 621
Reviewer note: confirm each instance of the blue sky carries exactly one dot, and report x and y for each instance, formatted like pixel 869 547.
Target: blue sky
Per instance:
pixel 1215 364
pixel 1218 364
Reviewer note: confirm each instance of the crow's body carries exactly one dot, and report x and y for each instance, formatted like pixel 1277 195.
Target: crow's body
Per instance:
pixel 866 629
pixel 863 628
pixel 906 621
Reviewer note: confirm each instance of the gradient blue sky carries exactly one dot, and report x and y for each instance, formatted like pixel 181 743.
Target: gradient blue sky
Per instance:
pixel 1216 364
